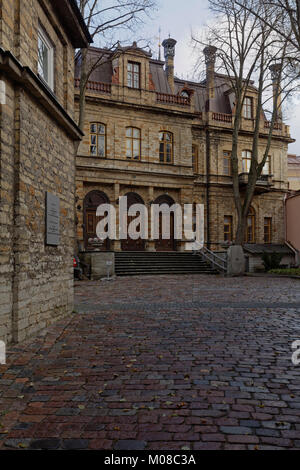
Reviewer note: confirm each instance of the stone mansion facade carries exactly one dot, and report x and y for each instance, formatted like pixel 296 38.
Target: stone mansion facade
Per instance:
pixel 155 138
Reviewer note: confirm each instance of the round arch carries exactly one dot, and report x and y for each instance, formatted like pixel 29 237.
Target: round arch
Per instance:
pixel 92 200
pixel 162 244
pixel 129 244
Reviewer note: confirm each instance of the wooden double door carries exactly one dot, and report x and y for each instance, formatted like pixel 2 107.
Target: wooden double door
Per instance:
pixel 170 243
pixel 129 244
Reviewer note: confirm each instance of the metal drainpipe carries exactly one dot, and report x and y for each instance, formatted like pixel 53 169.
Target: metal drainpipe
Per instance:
pixel 208 242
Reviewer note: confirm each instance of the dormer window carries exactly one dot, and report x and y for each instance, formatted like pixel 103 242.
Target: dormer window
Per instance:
pixel 133 75
pixel 248 108
pixel 45 59
pixel 185 94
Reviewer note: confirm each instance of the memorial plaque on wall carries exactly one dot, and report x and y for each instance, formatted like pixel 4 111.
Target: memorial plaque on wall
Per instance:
pixel 52 219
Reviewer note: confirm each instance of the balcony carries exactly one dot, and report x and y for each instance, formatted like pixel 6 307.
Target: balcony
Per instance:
pixel 173 99
pixel 263 184
pixel 221 117
pixel 98 87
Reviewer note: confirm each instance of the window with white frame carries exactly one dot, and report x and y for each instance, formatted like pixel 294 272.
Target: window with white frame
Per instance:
pixel 246 159
pixel 248 108
pixel 267 166
pixel 45 59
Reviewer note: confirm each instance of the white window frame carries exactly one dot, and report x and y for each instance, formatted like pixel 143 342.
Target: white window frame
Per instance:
pixel 44 38
pixel 246 160
pixel 267 166
pixel 248 107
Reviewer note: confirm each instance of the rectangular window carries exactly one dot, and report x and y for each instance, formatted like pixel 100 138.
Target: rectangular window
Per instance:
pixel 268 230
pixel 228 228
pixel 195 158
pixel 133 143
pixel 248 108
pixel 45 59
pixel 98 140
pixel 267 167
pixel 165 147
pixel 133 75
pixel 227 163
pixel 246 157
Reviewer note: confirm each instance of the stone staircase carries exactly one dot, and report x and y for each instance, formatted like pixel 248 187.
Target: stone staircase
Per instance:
pixel 148 263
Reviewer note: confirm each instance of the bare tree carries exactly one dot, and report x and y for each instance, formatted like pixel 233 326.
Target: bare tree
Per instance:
pixel 283 18
pixel 105 19
pixel 247 49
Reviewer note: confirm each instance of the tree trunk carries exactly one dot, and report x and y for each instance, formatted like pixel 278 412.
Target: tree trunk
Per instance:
pixel 82 88
pixel 241 231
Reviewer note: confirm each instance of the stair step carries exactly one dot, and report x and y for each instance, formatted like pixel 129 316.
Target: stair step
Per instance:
pixel 137 263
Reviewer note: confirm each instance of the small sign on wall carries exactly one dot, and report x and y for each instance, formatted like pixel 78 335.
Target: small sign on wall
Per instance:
pixel 52 219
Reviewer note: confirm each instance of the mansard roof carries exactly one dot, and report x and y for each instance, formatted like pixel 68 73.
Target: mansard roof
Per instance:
pixel 104 74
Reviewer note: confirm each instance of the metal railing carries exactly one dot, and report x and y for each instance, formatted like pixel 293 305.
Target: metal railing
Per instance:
pixel 216 261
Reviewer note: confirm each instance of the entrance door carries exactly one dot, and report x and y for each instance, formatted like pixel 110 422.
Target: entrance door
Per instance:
pixel 169 244
pixel 129 244
pixel 91 202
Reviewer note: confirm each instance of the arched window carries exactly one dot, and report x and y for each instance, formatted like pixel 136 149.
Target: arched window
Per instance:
pixel 250 227
pixel 97 139
pixel 185 94
pixel 165 147
pixel 246 157
pixel 133 143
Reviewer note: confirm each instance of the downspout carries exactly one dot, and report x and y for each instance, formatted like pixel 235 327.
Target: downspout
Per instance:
pixel 208 240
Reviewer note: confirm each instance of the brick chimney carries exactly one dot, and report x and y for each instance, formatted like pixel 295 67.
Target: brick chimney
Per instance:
pixel 210 53
pixel 169 48
pixel 275 70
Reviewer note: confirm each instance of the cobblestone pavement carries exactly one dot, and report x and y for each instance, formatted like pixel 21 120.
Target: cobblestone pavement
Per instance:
pixel 167 362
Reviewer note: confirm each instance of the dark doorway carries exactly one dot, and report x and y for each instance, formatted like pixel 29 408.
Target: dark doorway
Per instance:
pixel 161 244
pixel 129 244
pixel 91 201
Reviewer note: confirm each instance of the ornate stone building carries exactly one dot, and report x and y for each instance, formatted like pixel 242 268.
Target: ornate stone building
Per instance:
pixel 156 138
pixel 38 142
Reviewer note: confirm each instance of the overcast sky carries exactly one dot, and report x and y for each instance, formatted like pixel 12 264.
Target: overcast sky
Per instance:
pixel 178 18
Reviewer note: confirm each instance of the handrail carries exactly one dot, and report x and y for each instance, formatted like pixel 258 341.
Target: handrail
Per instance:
pixel 95 86
pixel 215 260
pixel 172 99
pixel 277 125
pixel 222 117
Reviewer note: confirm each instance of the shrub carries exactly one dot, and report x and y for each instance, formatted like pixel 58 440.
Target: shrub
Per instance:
pixel 271 260
pixel 287 272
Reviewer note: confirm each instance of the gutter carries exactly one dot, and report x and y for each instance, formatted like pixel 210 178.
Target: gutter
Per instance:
pixel 208 241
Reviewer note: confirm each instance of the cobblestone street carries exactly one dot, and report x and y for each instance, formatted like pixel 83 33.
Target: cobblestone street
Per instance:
pixel 165 362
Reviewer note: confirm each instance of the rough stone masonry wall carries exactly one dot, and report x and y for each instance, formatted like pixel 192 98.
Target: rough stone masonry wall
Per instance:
pixel 6 213
pixel 44 274
pixel 19 24
pixel 36 281
pixel 36 155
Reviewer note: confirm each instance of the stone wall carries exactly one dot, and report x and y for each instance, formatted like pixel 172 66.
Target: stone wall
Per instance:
pixel 19 25
pixel 37 146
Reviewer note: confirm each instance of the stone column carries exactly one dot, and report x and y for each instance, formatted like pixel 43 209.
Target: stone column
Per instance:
pixel 116 244
pixel 150 244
